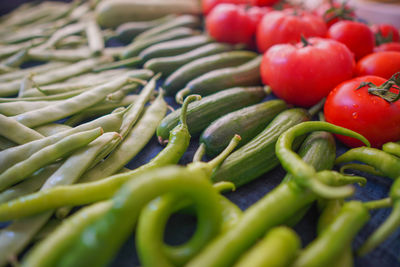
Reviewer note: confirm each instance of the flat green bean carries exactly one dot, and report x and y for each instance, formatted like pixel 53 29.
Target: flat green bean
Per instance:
pixel 100 109
pixel 47 155
pixel 95 37
pixel 72 105
pixel 52 128
pixel 36 69
pixel 17 132
pixel 67 174
pixel 5 143
pixel 28 186
pixel 69 55
pixel 56 75
pixel 62 33
pixel 11 156
pixel 132 143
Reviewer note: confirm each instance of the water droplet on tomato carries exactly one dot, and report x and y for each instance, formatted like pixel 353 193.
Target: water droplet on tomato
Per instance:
pixel 355 115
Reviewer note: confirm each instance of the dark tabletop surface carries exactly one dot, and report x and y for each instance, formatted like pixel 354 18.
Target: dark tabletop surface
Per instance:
pixel 181 227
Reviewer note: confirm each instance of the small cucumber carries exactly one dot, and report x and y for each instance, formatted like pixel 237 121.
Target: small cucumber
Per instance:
pixel 111 13
pixel 247 74
pixel 201 113
pixel 246 122
pixel 179 78
pixel 258 156
pixel 167 65
pixel 129 30
pixel 174 47
pixel 181 21
pixel 135 48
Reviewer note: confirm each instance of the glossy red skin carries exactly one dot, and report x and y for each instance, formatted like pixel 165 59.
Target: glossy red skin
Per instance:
pixel 382 64
pixel 386 30
pixel 367 114
pixel 208 5
pixel 263 2
pixel 388 47
pixel 234 23
pixel 278 27
pixel 304 75
pixel 357 36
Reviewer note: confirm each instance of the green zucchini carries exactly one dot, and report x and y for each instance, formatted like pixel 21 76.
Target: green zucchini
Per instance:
pixel 167 65
pixel 258 156
pixel 247 74
pixel 179 78
pixel 129 30
pixel 201 113
pixel 181 21
pixel 135 48
pixel 246 122
pixel 111 13
pixel 174 47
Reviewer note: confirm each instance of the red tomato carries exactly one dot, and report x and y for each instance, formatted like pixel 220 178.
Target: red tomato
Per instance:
pixel 263 2
pixel 208 5
pixel 234 23
pixel 287 26
pixel 382 64
pixel 370 115
pixel 385 33
pixel 357 36
pixel 303 75
pixel 388 47
pixel 334 12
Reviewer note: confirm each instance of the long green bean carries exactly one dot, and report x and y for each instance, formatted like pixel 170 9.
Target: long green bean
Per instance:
pixel 67 174
pixel 17 132
pixel 72 105
pixel 11 156
pixel 56 75
pixel 28 186
pixel 95 37
pixel 36 69
pixel 134 141
pixel 47 155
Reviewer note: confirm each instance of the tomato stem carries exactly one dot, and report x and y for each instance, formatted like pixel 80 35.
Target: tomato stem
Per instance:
pixel 304 41
pixel 385 91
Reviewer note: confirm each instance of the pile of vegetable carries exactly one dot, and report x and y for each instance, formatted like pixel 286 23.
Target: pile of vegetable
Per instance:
pixel 90 154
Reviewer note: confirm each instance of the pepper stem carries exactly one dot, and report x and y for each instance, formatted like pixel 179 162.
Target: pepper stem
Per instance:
pixel 181 95
pixel 388 227
pixel 225 153
pixel 361 167
pixel 185 105
pixel 224 186
pixel 198 155
pixel 379 204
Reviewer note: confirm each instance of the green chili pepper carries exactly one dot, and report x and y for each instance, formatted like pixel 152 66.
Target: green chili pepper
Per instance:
pixel 392 148
pixel 96 191
pixel 116 225
pixel 151 248
pixel 391 224
pixel 276 208
pixel 305 174
pixel 331 242
pixel 385 163
pixel 278 249
pixel 18 236
pixel 330 210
